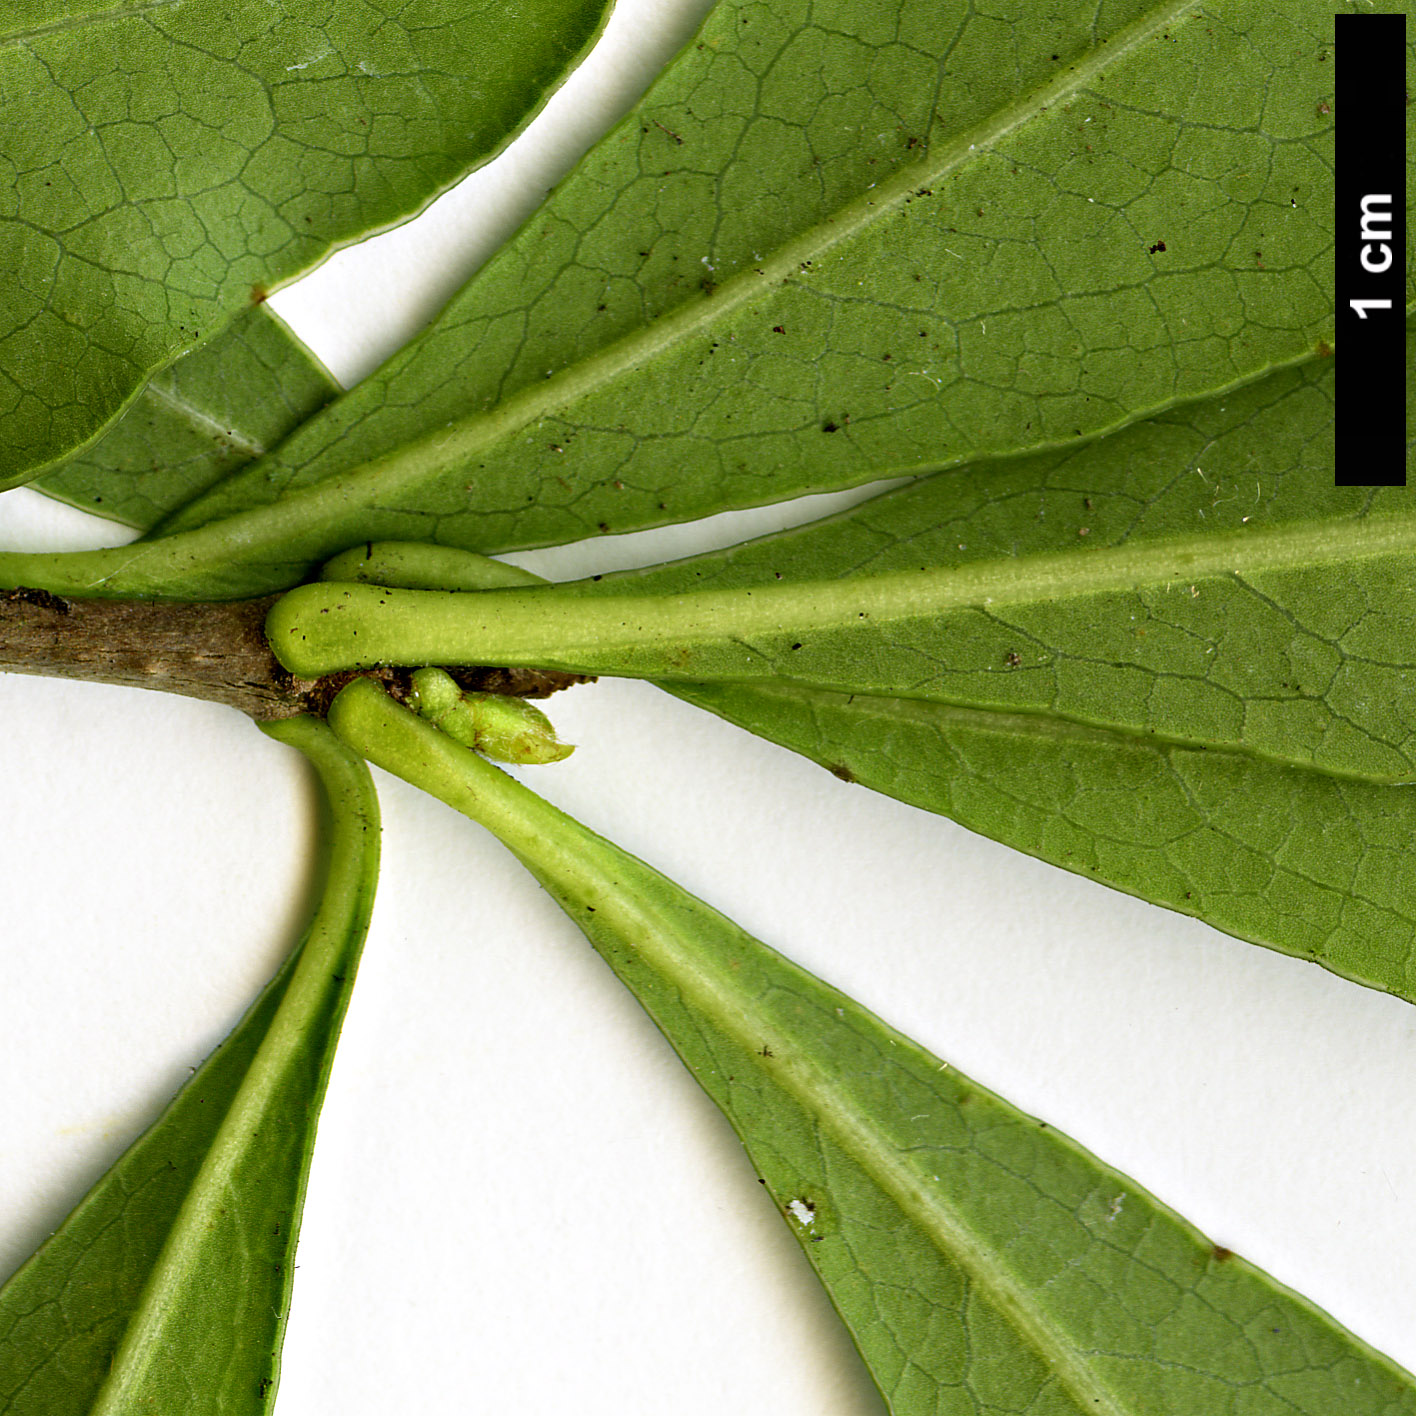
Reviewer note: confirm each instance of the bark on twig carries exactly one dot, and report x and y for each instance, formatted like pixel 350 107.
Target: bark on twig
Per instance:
pixel 212 651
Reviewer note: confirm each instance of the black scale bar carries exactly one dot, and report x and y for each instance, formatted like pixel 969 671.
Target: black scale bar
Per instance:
pixel 1370 248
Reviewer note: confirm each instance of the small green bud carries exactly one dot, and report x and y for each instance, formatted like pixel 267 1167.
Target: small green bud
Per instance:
pixel 434 693
pixel 506 729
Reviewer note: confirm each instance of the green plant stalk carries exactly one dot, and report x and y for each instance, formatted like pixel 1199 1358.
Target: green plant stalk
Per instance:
pixel 252 553
pixel 982 1262
pixel 319 629
pixel 885 634
pixel 271 547
pixel 417 565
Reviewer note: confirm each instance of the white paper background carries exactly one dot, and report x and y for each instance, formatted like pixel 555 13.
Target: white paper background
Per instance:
pixel 519 1200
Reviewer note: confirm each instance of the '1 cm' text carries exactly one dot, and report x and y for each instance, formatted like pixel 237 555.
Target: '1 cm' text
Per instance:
pixel 1376 252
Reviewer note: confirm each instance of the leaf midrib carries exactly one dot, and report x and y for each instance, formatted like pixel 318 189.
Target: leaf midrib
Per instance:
pixel 201 422
pixel 451 445
pixel 161 1296
pixel 1042 724
pixel 559 622
pixel 894 595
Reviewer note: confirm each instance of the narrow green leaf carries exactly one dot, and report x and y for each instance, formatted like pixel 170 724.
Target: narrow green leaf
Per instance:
pixel 1311 865
pixel 167 1288
pixel 165 163
pixel 228 401
pixel 1195 580
pixel 983 1263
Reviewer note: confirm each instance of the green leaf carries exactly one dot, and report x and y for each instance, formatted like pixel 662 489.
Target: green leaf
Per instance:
pixel 228 401
pixel 167 1288
pixel 165 163
pixel 982 1262
pixel 834 243
pixel 1308 864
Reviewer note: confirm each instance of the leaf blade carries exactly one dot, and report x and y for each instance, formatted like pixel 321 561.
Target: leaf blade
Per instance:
pixel 1311 865
pixel 119 1308
pixel 934 1213
pixel 760 284
pixel 1273 850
